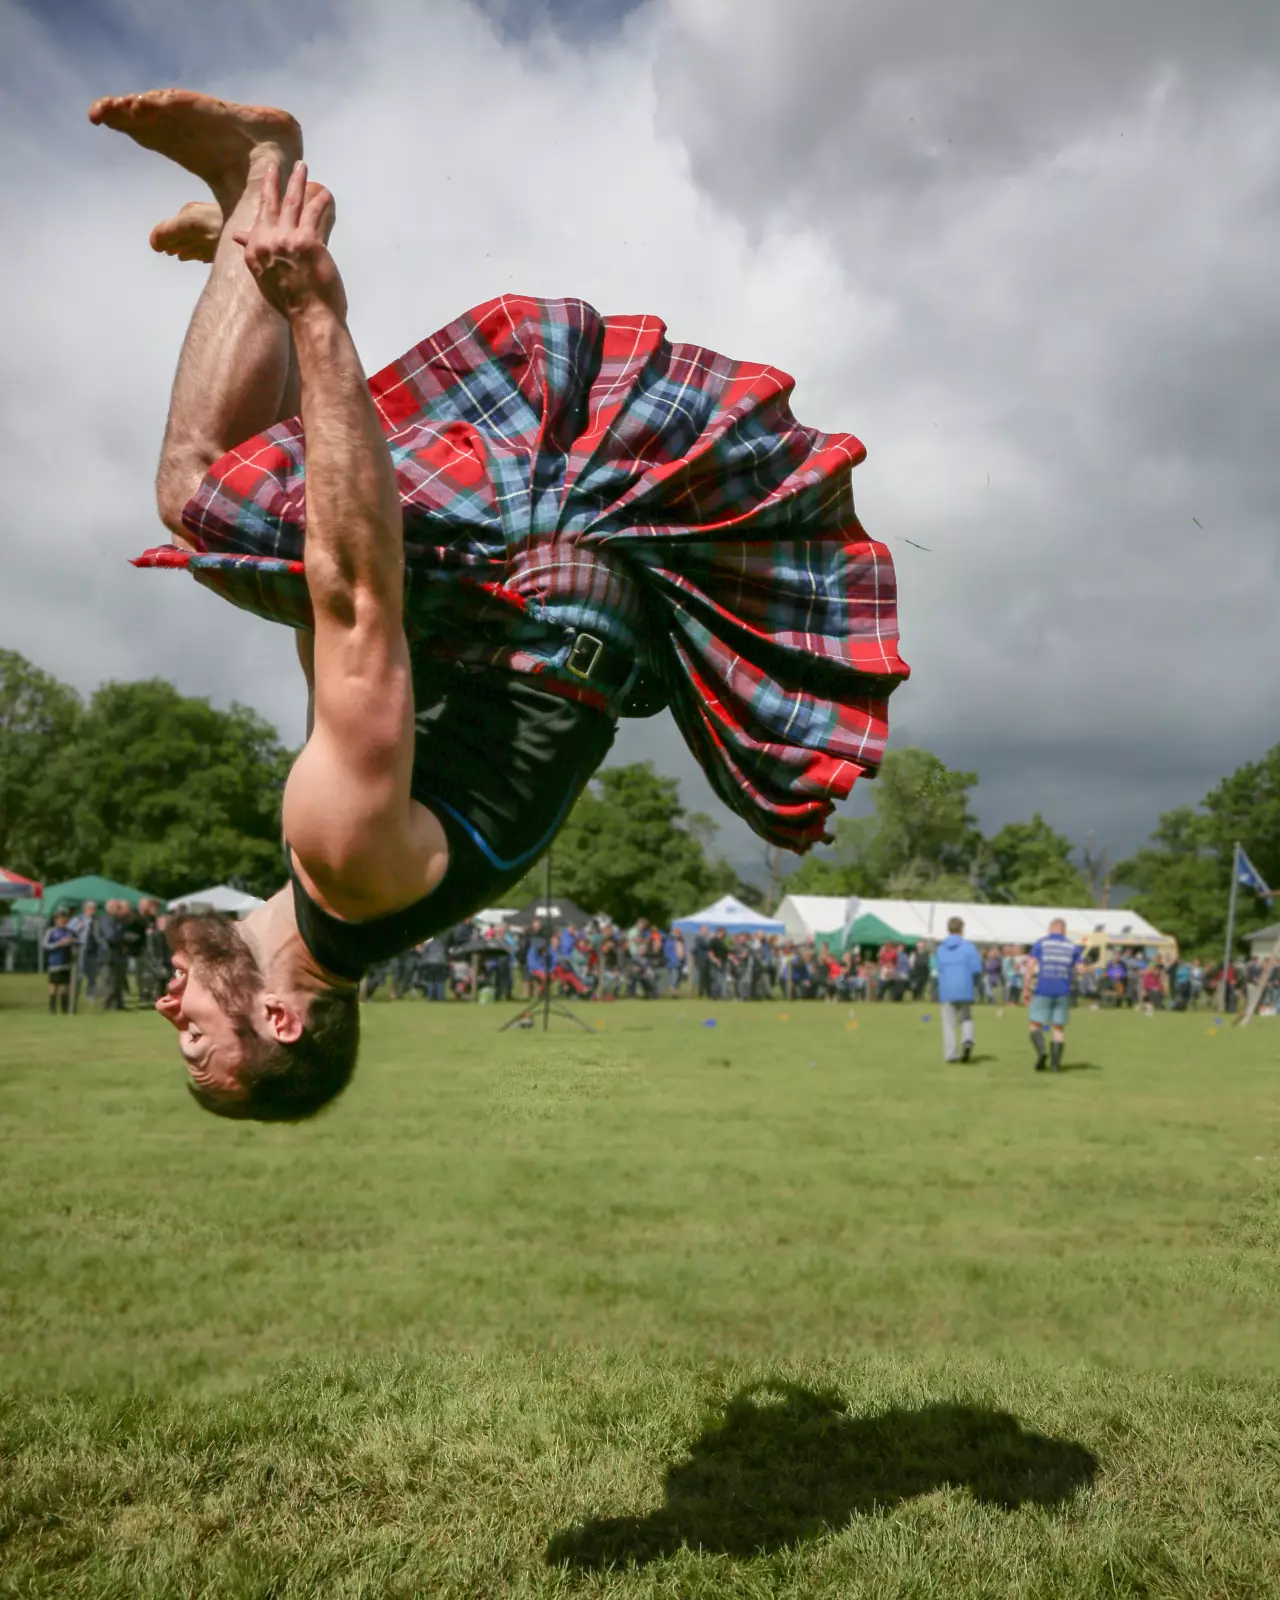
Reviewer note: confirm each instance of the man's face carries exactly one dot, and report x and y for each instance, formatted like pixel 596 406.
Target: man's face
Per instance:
pixel 212 966
pixel 90 908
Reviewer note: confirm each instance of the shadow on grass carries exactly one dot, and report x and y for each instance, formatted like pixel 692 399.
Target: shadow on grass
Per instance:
pixel 783 1464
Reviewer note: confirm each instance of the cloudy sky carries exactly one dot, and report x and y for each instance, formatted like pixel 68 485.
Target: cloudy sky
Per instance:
pixel 1021 250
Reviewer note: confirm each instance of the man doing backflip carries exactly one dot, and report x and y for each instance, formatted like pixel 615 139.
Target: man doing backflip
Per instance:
pixel 535 521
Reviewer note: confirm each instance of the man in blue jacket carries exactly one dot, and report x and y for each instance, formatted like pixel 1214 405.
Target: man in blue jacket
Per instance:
pixel 959 965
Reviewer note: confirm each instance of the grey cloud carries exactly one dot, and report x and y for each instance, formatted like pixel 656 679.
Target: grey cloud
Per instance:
pixel 1059 225
pixel 1025 253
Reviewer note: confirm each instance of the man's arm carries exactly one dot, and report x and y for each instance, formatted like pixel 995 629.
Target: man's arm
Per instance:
pixel 347 809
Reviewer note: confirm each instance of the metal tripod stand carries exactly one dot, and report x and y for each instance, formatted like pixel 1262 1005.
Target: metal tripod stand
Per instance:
pixel 545 1003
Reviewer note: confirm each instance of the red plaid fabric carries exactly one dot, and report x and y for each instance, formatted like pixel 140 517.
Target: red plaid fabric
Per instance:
pixel 563 472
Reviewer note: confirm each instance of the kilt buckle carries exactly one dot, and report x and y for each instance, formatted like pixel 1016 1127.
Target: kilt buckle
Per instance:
pixel 584 655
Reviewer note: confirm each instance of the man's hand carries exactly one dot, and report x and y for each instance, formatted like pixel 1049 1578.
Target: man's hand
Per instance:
pixel 286 249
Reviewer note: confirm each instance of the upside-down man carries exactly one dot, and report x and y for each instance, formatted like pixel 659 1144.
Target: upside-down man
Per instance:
pixel 537 520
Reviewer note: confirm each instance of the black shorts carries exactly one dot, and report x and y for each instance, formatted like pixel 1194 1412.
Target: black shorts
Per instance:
pixel 60 975
pixel 500 761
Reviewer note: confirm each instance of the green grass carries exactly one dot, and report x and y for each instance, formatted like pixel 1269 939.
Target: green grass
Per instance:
pixel 783 1307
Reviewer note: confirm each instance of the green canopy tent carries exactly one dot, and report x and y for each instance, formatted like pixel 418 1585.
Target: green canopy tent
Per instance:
pixel 75 891
pixel 868 929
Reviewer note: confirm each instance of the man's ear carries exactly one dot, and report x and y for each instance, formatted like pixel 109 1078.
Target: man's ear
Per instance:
pixel 284 1020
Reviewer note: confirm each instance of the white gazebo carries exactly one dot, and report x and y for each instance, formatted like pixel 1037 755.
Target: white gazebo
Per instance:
pixel 222 898
pixel 729 914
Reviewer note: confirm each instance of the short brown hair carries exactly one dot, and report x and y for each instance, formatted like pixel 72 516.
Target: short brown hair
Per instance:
pixel 291 1082
pixel 955 924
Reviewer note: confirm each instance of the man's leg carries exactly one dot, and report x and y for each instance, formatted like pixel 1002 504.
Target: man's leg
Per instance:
pixel 948 1030
pixel 965 1014
pixel 235 360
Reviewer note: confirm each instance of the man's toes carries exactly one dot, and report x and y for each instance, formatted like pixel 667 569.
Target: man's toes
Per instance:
pixel 191 235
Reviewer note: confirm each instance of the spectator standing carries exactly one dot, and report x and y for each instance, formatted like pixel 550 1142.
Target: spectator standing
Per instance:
pixel 1050 970
pixel 59 950
pixel 718 958
pixel 528 937
pixel 433 967
pixel 157 957
pixel 109 942
pixel 673 960
pixel 82 925
pixel 959 968
pixel 1009 974
pixel 133 939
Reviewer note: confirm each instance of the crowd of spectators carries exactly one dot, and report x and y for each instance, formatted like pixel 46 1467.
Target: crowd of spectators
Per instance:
pixel 115 954
pixel 601 961
pixel 108 956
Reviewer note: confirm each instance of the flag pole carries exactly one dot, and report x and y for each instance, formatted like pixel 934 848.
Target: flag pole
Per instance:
pixel 1231 925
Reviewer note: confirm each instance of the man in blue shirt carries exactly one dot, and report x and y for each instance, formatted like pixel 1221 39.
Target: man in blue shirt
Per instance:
pixel 959 964
pixel 1053 964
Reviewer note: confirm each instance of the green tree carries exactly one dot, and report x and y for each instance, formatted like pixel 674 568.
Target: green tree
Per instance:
pixel 1246 806
pixel 167 792
pixel 1184 875
pixel 921 843
pixel 38 719
pixel 630 849
pixel 923 820
pixel 1182 882
pixel 1029 864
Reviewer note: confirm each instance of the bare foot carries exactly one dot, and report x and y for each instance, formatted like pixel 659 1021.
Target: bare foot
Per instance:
pixel 193 233
pixel 215 139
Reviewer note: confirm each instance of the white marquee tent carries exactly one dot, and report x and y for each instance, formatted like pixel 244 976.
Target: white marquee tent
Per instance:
pixel 810 916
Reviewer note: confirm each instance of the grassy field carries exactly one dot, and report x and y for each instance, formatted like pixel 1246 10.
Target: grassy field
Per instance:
pixel 780 1307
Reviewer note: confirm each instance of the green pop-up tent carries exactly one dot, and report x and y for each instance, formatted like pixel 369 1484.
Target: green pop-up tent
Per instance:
pixel 74 892
pixel 869 929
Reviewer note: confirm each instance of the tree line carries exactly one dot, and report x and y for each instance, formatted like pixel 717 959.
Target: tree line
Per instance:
pixel 923 843
pixel 165 791
pixel 168 793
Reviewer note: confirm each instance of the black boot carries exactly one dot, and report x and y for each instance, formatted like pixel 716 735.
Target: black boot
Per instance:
pixel 64 1003
pixel 1055 1054
pixel 1037 1040
pixel 53 1005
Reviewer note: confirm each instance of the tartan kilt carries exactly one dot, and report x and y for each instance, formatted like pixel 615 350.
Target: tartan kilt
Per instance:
pixel 564 472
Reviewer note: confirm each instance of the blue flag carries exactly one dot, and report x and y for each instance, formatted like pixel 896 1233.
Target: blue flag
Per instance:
pixel 1249 875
